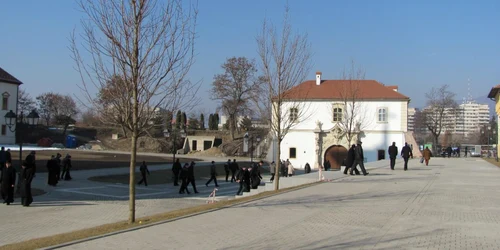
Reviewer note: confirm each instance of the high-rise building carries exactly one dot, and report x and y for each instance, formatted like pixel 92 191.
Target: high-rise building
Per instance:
pixel 411 119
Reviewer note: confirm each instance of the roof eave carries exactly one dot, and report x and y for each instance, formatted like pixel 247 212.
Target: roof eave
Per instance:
pixel 10 82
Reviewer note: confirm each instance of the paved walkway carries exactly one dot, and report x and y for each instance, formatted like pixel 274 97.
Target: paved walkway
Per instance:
pixel 451 204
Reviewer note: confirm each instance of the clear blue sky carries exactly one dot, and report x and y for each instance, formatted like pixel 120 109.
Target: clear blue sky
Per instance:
pixel 413 45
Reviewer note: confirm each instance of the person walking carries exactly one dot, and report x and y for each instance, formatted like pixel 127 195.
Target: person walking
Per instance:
pixel 291 170
pixel 466 150
pixel 240 178
pixel 427 155
pixel 393 153
pixel 144 169
pixel 27 174
pixel 176 169
pixel 226 169
pixel 190 178
pixel 66 168
pixel 8 182
pixel 307 168
pixel 350 160
pixel 213 175
pixel 272 170
pixel 3 158
pixel 184 179
pixel 234 168
pixel 406 154
pixel 359 159
pixel 52 174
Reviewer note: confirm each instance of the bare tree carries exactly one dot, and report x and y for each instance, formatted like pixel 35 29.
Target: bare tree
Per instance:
pixel 235 88
pixel 25 102
pixel 285 62
pixel 147 43
pixel 440 113
pixel 351 115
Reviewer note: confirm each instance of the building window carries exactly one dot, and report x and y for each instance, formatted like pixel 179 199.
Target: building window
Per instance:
pixel 338 110
pixel 5 101
pixel 4 129
pixel 382 114
pixel 293 153
pixel 294 114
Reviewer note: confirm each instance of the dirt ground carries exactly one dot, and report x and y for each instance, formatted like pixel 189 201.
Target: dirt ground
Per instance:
pixel 165 176
pixel 82 160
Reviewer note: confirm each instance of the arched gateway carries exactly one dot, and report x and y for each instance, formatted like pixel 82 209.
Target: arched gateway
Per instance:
pixel 335 155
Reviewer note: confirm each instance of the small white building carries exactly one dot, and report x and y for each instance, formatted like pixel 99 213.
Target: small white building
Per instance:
pixel 322 109
pixel 9 88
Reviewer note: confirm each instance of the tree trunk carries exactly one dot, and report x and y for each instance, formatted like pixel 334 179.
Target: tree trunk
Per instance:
pixel 131 202
pixel 231 126
pixel 278 166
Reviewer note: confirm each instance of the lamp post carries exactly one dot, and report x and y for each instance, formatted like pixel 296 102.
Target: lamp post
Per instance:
pixel 251 148
pixel 16 123
pixel 174 134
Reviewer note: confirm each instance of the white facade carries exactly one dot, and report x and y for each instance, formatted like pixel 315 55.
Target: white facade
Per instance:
pixel 310 141
pixel 9 91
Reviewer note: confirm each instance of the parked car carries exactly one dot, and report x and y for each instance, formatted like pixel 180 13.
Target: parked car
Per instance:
pixel 473 153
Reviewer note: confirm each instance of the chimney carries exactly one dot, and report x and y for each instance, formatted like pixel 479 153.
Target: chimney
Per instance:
pixel 318 78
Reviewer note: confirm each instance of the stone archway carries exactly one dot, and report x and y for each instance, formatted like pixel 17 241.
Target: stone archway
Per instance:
pixel 335 155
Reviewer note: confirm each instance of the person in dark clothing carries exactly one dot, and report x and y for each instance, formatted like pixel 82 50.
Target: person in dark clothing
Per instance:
pixel 406 154
pixel 226 169
pixel 240 178
pixel 350 160
pixel 393 153
pixel 176 169
pixel 58 166
pixel 359 159
pixel 183 175
pixel 8 156
pixel 307 168
pixel 284 169
pixel 466 149
pixel 66 168
pixel 213 175
pixel 2 158
pixel 52 179
pixel 144 170
pixel 254 178
pixel 458 152
pixel 8 182
pixel 246 180
pixel 190 178
pixel 27 174
pixel 327 165
pixel 234 168
pixel 449 150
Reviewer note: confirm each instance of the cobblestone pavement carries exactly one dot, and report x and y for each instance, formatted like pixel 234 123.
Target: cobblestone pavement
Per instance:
pixel 451 204
pixel 80 204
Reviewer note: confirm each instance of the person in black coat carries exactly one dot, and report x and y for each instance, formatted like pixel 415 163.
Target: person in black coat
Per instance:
pixel 406 154
pixel 234 168
pixel 349 160
pixel 255 176
pixel 27 174
pixel 66 168
pixel 144 170
pixel 176 169
pixel 8 182
pixel 359 159
pixel 52 174
pixel 243 178
pixel 393 153
pixel 190 178
pixel 307 168
pixel 226 169
pixel 183 175
pixel 213 175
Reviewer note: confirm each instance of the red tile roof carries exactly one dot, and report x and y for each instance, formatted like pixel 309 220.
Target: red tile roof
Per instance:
pixel 8 78
pixel 494 91
pixel 337 89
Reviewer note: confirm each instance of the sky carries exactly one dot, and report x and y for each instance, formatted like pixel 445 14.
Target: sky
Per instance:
pixel 416 45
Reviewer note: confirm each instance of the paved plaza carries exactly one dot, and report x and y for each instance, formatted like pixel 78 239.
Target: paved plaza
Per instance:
pixel 451 204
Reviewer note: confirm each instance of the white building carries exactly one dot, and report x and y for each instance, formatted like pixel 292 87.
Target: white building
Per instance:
pixel 411 119
pixel 9 88
pixel 319 134
pixel 467 119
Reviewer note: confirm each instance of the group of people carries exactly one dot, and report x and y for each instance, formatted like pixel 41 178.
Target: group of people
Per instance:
pixel 9 175
pixel 58 169
pixel 354 158
pixel 406 153
pixel 249 177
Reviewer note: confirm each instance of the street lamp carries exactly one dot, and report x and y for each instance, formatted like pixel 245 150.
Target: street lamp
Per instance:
pixel 247 136
pixel 11 120
pixel 175 132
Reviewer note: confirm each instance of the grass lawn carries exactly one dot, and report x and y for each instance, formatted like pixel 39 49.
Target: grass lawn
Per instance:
pixel 114 227
pixel 166 176
pixel 88 159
